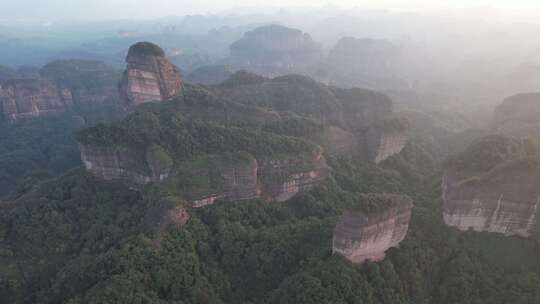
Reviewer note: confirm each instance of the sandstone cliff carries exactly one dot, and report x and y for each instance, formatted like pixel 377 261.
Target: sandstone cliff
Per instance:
pixel 499 193
pixel 379 222
pixel 111 163
pixel 23 98
pixel 358 121
pixel 385 139
pixel 90 83
pixel 231 176
pixel 282 179
pixel 149 76
pixel 518 115
pixel 271 179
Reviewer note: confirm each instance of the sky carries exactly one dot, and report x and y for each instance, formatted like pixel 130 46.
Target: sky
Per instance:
pixel 126 9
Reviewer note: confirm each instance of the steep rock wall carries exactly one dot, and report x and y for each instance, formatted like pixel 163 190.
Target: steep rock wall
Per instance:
pixel 111 163
pixel 382 143
pixel 362 236
pixel 24 98
pixel 238 181
pixel 283 179
pixel 91 83
pixel 149 77
pixel 504 200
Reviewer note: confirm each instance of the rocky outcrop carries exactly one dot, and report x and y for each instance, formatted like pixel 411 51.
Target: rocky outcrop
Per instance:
pixel 518 116
pixel 90 83
pixel 111 163
pixel 355 121
pixel 24 98
pixel 385 139
pixel 271 179
pixel 379 222
pixel 149 77
pixel 275 50
pixel 282 179
pixel 500 195
pixel 227 177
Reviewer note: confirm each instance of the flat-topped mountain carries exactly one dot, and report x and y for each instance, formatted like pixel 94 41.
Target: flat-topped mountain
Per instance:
pixel 91 83
pixel 518 115
pixel 275 50
pixel 358 120
pixel 25 98
pixel 377 223
pixel 61 86
pixel 149 76
pixel 494 186
pixel 196 135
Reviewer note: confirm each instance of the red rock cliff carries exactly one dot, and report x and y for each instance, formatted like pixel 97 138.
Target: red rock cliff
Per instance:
pixel 366 235
pixel 23 98
pixel 149 77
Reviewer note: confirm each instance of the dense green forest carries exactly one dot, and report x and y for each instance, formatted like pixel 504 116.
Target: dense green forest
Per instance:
pixel 77 239
pixel 36 147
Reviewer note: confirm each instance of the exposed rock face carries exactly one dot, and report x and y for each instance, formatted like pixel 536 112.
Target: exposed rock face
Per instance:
pixel 518 115
pixel 355 120
pixel 383 141
pixel 275 50
pixel 110 163
pixel 281 180
pixel 360 236
pixel 271 179
pixel 23 98
pixel 149 77
pixel 238 180
pixel 90 83
pixel 500 196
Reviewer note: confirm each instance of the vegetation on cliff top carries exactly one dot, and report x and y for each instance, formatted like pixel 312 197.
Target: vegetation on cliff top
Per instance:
pixel 89 245
pixel 146 49
pixel 82 76
pixel 490 151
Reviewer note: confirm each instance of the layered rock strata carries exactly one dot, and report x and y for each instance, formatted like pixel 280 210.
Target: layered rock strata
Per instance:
pixel 91 83
pixel 149 77
pixel 383 141
pixel 362 235
pixel 356 119
pixel 111 163
pixel 237 181
pixel 282 179
pixel 503 197
pixel 24 98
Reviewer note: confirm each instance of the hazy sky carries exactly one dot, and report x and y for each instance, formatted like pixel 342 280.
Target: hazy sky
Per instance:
pixel 98 9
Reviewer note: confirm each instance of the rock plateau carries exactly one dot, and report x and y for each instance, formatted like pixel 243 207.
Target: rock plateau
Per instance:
pixel 494 186
pixel 367 231
pixel 25 98
pixel 149 76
